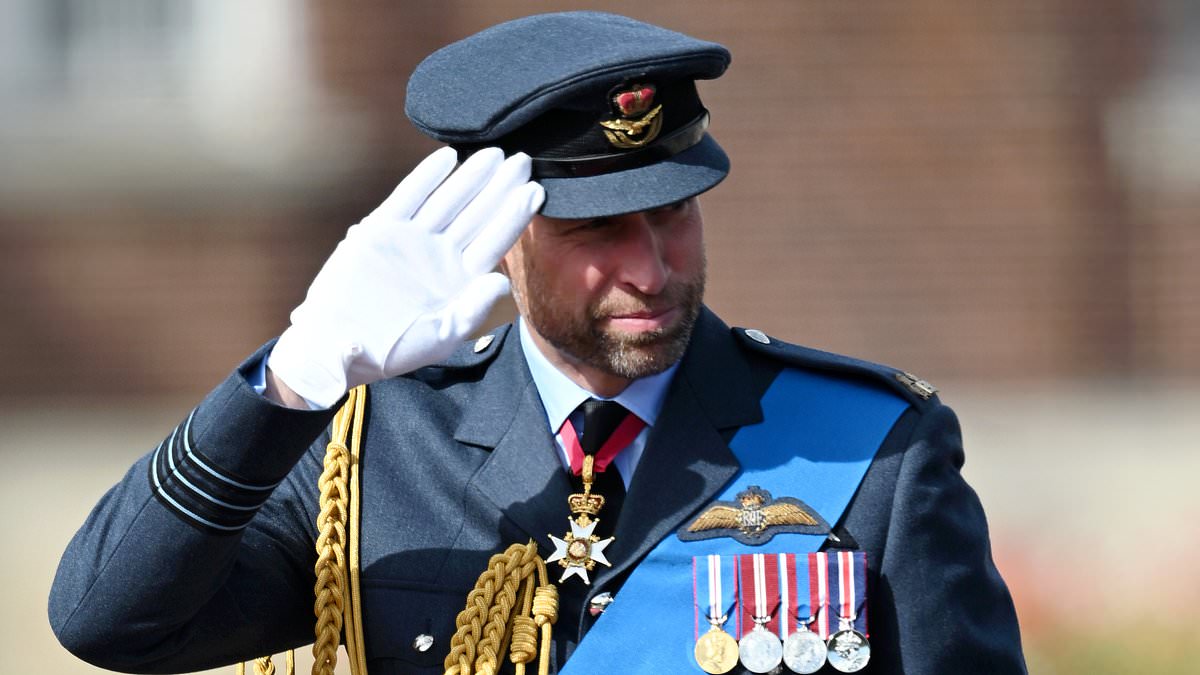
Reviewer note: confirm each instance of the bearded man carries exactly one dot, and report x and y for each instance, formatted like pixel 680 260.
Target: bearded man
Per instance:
pixel 759 500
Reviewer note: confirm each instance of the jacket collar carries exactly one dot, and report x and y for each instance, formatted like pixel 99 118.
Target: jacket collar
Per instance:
pixel 687 459
pixel 686 462
pixel 523 474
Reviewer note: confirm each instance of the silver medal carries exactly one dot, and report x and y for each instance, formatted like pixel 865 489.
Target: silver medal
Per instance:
pixel 760 650
pixel 804 652
pixel 849 651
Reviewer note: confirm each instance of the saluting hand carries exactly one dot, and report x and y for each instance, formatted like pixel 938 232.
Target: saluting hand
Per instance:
pixel 411 281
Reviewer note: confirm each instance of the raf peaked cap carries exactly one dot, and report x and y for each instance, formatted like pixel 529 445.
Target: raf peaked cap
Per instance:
pixel 605 105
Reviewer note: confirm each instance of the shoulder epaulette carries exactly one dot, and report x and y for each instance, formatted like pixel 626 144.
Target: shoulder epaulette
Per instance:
pixel 914 389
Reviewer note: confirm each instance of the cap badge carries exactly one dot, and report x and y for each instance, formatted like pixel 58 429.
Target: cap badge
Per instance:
pixel 638 123
pixel 754 518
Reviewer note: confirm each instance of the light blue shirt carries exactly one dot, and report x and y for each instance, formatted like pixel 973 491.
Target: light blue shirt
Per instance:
pixel 561 396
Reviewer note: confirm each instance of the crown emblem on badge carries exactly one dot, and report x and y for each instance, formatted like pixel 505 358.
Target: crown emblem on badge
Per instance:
pixel 638 121
pixel 589 504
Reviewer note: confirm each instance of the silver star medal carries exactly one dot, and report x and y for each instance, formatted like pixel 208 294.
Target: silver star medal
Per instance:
pixel 580 550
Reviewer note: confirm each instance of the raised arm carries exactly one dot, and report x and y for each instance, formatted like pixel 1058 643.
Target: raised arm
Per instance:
pixel 203 554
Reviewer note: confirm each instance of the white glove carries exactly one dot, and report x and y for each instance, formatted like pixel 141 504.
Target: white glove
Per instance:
pixel 411 281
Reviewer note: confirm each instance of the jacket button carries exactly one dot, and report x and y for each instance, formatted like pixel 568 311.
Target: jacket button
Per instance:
pixel 483 343
pixel 758 336
pixel 423 642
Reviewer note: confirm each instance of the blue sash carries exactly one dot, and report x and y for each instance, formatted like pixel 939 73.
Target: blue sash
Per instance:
pixel 818 436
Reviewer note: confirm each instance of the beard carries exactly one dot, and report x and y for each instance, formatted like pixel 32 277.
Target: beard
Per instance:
pixel 581 334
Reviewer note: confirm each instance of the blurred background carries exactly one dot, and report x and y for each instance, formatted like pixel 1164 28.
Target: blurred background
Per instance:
pixel 1003 198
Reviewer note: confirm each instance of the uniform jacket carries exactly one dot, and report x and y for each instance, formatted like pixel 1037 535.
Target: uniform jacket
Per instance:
pixel 203 554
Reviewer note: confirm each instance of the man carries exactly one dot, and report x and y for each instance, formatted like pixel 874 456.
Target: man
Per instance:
pixel 761 494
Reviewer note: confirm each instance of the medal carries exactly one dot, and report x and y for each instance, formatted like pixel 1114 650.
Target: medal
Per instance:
pixel 804 651
pixel 760 650
pixel 849 650
pixel 716 651
pixel 579 550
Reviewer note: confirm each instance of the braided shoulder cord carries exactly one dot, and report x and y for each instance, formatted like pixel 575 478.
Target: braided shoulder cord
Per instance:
pixel 486 626
pixel 330 588
pixel 338 485
pixel 263 665
pixel 355 647
pixel 331 591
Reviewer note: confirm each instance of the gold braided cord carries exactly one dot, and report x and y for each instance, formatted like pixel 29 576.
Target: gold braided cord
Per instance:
pixel 335 600
pixel 264 665
pixel 355 647
pixel 487 625
pixel 330 589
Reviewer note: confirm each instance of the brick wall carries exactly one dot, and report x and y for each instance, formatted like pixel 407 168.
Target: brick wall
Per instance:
pixel 923 183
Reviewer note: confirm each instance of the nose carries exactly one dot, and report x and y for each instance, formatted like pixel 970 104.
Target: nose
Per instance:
pixel 642 261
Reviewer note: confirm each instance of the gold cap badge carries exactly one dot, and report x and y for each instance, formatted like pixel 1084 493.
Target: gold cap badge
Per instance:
pixel 638 123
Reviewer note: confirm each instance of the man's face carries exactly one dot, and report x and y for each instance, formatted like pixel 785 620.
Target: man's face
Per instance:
pixel 616 295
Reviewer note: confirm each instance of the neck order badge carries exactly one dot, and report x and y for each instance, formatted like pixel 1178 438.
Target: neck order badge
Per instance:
pixel 608 429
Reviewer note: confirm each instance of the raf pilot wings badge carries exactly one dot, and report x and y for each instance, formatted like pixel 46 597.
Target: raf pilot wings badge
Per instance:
pixel 754 518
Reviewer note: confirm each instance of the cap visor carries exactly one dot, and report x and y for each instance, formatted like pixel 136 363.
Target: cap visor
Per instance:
pixel 684 175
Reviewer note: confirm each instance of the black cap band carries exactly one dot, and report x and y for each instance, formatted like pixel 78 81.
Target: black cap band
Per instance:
pixel 593 165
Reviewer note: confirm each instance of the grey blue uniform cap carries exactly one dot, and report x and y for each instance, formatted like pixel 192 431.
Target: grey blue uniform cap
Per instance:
pixel 605 105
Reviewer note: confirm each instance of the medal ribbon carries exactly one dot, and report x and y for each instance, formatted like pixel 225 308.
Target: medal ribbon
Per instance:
pixel 793 593
pixel 759 575
pixel 713 580
pixel 818 592
pixel 622 436
pixel 850 604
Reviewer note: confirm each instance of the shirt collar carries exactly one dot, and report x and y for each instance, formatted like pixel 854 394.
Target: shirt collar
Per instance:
pixel 561 396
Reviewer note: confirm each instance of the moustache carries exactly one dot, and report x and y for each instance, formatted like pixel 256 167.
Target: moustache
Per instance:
pixel 629 303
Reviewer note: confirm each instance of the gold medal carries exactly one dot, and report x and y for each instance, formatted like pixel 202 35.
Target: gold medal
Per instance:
pixel 716 651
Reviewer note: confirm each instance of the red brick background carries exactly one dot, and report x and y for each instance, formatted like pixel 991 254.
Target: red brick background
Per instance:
pixel 926 183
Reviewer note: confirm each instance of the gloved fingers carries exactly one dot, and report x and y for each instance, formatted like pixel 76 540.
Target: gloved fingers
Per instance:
pixel 465 313
pixel 458 190
pixel 503 229
pixel 511 175
pixel 416 187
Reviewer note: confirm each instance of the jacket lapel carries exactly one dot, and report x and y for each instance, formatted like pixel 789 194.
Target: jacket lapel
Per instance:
pixel 687 460
pixel 685 464
pixel 523 475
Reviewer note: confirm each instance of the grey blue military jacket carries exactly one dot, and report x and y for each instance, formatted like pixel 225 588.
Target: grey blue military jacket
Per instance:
pixel 203 554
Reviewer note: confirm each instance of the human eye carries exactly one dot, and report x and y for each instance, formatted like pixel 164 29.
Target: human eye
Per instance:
pixel 592 225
